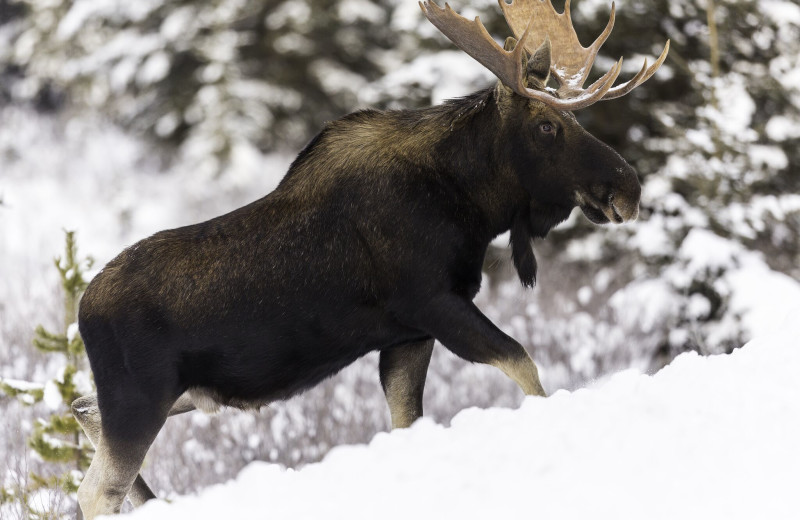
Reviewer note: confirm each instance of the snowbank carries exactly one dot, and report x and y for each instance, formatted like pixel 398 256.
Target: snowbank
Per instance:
pixel 706 437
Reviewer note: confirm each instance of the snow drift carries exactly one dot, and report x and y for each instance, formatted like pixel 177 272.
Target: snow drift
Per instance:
pixel 706 437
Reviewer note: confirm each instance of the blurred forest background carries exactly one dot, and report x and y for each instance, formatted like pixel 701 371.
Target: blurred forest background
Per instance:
pixel 118 119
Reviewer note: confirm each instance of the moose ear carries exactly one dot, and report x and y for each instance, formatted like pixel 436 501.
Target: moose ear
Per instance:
pixel 538 69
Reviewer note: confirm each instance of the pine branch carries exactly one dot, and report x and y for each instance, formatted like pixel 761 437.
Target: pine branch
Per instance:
pixel 27 393
pixel 66 385
pixel 52 449
pixel 48 342
pixel 64 424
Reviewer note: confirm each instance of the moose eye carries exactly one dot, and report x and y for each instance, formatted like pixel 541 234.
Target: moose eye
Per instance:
pixel 547 128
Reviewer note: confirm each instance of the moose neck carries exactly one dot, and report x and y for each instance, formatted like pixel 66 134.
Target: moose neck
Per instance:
pixel 470 152
pixel 487 156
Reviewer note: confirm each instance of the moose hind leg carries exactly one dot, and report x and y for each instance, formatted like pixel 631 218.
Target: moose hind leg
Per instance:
pixel 87 414
pixel 403 370
pixel 118 457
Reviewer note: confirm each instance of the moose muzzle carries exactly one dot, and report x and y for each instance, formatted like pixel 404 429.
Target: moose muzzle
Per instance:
pixel 612 194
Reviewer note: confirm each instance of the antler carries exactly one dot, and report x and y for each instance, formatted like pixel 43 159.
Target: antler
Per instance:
pixel 536 23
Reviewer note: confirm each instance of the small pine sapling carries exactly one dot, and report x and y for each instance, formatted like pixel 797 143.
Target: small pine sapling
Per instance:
pixel 58 438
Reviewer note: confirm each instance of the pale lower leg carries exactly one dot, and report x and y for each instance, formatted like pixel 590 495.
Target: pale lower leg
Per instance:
pixel 87 413
pixel 522 370
pixel 403 370
pixel 110 477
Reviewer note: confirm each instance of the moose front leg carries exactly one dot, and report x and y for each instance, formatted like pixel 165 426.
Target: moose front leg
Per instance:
pixel 403 370
pixel 463 329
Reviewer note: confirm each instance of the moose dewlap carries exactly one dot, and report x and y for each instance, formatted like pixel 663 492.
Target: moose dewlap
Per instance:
pixel 373 241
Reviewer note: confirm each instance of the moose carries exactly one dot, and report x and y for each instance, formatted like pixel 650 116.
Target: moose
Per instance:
pixel 373 241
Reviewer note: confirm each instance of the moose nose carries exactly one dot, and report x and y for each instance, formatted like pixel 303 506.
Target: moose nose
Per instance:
pixel 629 212
pixel 625 200
pixel 614 190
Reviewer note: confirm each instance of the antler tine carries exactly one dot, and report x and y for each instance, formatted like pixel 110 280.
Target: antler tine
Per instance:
pixel 643 75
pixel 473 38
pixel 599 41
pixel 595 92
pixel 602 82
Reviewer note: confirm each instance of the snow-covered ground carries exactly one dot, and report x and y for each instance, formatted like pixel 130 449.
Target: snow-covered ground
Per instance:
pixel 706 437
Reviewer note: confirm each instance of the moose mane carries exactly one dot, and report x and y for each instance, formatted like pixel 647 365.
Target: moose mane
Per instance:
pixel 362 138
pixel 454 112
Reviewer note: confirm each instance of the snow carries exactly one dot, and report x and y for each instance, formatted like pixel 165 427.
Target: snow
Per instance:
pixel 351 11
pixel 72 332
pixel 772 157
pixel 289 13
pixel 781 128
pixel 585 295
pixel 21 386
pixel 334 78
pixel 705 251
pixel 154 69
pixel 83 382
pixel 52 396
pixel 112 200
pixel 706 437
pixel 448 75
pixel 651 237
pixel 760 297
pixel 781 11
pixel 177 23
pixel 83 10
pixel 54 442
pixel 645 303
pixel 764 299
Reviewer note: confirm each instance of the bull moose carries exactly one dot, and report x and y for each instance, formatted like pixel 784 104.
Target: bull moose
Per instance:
pixel 373 241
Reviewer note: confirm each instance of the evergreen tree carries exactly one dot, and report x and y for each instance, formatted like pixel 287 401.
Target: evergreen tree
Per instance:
pixel 214 77
pixel 58 438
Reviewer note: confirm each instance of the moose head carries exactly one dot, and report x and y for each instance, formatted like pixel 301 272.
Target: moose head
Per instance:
pixel 559 163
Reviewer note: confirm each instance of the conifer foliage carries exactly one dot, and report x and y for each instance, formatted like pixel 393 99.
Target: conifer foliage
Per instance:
pixel 213 77
pixel 58 438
